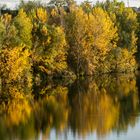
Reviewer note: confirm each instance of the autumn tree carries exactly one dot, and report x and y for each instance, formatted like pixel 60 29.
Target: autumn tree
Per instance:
pixel 126 22
pixel 24 28
pixel 30 5
pixel 15 44
pixel 49 44
pixel 7 31
pixel 91 37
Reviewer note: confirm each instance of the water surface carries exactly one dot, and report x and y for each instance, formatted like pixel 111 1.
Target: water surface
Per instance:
pixel 100 108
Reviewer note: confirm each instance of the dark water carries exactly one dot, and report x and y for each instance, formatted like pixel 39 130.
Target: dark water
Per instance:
pixel 99 108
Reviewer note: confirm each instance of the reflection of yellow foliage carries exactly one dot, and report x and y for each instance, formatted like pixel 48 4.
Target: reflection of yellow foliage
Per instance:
pixel 55 107
pixel 108 114
pixel 96 105
pixel 97 112
pixel 18 109
pixel 126 85
pixel 99 107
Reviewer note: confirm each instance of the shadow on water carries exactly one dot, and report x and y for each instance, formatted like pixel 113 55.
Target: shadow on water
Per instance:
pixel 100 105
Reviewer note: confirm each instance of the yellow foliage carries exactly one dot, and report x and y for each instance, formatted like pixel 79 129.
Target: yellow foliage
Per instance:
pixel 17 109
pixel 44 30
pixel 6 19
pixel 42 15
pixel 15 64
pixel 54 12
pixel 103 30
pixel 91 37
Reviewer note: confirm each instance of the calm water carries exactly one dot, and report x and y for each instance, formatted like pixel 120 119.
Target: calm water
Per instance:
pixel 99 108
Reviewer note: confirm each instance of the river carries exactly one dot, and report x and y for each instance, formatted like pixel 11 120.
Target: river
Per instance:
pixel 103 107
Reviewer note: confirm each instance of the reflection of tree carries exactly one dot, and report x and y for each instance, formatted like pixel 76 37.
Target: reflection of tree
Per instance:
pixel 52 111
pixel 98 112
pixel 27 117
pixel 15 110
pixel 101 105
pixel 16 106
pixel 106 103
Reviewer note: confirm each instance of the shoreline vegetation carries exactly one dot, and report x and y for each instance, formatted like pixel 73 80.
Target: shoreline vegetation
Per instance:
pixel 67 40
pixel 55 65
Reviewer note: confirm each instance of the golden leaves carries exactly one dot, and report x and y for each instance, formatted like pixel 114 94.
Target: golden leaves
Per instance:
pixel 15 64
pixel 6 19
pixel 41 15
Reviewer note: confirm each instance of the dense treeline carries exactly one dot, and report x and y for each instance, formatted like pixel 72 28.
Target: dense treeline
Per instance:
pixel 67 39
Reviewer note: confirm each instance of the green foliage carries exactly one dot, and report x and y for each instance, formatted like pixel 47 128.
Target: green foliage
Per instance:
pixel 24 28
pixel 15 54
pixel 49 51
pixel 30 5
pixel 120 60
pixel 125 19
pixel 8 31
pixel 138 41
